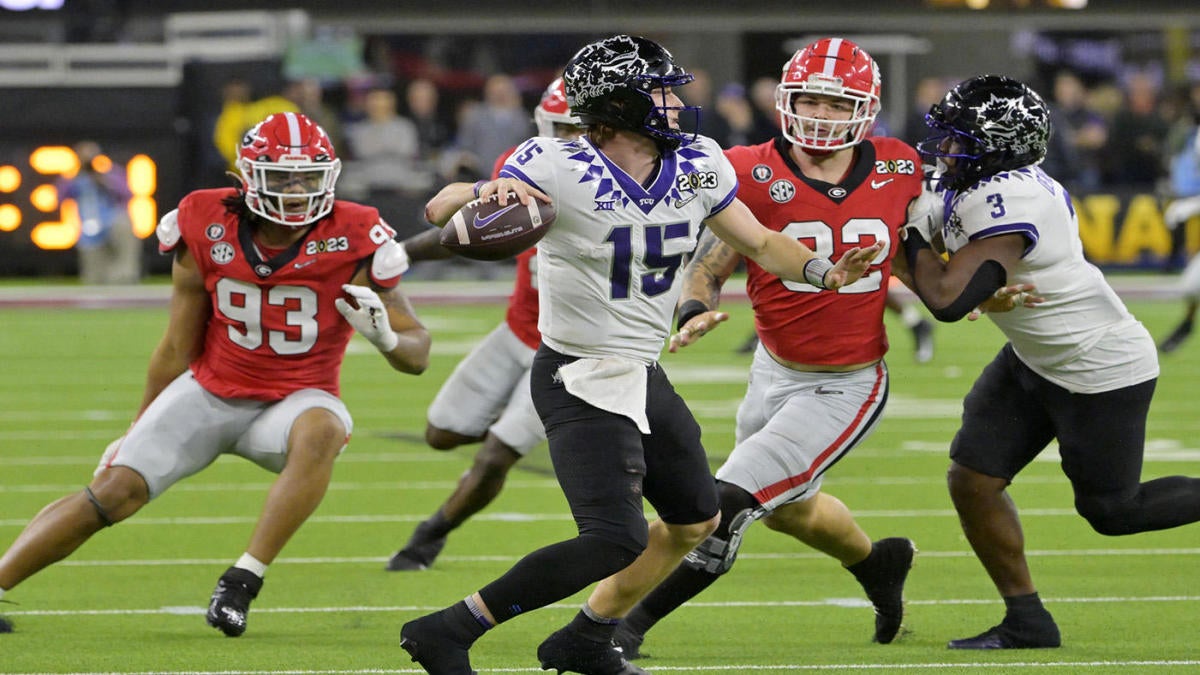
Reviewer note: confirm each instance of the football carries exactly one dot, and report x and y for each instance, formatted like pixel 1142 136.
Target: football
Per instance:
pixel 484 230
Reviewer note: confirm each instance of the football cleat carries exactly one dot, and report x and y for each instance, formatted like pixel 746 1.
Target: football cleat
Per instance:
pixel 1011 635
pixel 5 625
pixel 427 640
pixel 419 553
pixel 630 643
pixel 884 584
pixel 567 651
pixel 231 600
pixel 923 341
pixel 1176 338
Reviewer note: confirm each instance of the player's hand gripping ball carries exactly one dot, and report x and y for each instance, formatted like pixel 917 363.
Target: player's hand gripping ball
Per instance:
pixel 484 230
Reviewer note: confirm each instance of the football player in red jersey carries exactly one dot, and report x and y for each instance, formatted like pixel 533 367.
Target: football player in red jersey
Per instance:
pixel 269 282
pixel 486 398
pixel 813 396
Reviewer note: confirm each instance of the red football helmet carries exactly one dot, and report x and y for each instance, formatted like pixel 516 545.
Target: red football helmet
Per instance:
pixel 284 152
pixel 553 110
pixel 829 67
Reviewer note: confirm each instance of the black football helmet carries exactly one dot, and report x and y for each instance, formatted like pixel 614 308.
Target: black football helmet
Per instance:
pixel 612 82
pixel 988 124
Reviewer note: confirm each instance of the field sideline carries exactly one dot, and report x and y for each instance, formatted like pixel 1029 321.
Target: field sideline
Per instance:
pixel 131 600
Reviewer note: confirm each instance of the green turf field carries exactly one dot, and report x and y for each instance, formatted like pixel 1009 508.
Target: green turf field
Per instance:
pixel 131 600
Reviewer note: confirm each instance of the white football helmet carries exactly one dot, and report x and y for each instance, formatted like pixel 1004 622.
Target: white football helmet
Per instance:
pixel 288 169
pixel 829 67
pixel 553 109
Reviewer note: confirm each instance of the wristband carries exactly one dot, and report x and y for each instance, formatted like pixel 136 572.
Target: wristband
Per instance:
pixel 688 310
pixel 478 186
pixel 815 270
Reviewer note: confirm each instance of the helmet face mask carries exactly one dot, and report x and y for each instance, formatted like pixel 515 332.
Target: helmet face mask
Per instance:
pixel 622 82
pixel 288 168
pixel 985 125
pixel 830 68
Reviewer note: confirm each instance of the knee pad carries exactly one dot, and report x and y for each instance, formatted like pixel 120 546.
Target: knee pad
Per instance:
pixel 716 554
pixel 100 511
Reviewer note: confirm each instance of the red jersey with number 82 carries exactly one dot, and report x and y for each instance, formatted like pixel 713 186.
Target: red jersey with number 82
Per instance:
pixel 274 328
pixel 800 322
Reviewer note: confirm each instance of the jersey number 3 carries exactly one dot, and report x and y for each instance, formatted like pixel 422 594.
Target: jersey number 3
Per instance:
pixel 856 232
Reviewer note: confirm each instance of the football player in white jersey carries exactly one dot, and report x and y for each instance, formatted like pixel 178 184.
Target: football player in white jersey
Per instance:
pixel 1075 355
pixel 631 197
pixel 812 398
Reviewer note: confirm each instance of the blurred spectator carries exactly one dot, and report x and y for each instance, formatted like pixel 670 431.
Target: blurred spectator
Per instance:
pixel 422 98
pixel 737 115
pixel 239 112
pixel 929 90
pixel 1078 136
pixel 700 92
pixel 1135 145
pixel 1184 205
pixel 492 127
pixel 384 150
pixel 308 95
pixel 766 117
pixel 109 252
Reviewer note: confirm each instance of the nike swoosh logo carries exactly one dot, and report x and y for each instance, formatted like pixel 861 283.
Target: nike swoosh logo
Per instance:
pixel 823 390
pixel 486 220
pixel 876 184
pixel 680 203
pixel 306 263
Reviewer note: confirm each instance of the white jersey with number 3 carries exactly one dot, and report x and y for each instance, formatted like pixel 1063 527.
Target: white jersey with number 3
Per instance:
pixel 608 269
pixel 1082 337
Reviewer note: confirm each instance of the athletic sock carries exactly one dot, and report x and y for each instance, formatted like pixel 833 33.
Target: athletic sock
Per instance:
pixel 910 316
pixel 465 621
pixel 1025 608
pixel 251 564
pixel 592 626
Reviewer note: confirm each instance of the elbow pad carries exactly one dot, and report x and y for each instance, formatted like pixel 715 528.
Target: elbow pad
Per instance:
pixel 989 277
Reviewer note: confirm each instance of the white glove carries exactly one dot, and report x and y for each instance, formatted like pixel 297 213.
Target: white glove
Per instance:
pixel 370 317
pixel 924 216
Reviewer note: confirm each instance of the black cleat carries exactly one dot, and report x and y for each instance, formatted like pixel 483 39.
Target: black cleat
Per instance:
pixel 884 584
pixel 419 553
pixel 630 643
pixel 1176 338
pixel 428 642
pixel 231 600
pixel 5 625
pixel 567 651
pixel 1012 635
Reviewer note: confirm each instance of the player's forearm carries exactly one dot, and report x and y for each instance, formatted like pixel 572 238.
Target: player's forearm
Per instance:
pixel 784 257
pixel 426 246
pixel 442 206
pixel 411 353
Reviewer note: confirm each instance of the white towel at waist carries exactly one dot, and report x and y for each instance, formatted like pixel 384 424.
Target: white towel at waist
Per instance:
pixel 612 384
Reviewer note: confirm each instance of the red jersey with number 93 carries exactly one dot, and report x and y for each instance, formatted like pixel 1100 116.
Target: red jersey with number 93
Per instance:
pixel 274 328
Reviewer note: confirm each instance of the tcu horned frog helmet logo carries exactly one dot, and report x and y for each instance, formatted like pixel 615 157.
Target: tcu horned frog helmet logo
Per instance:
pixel 288 169
pixel 614 82
pixel 988 124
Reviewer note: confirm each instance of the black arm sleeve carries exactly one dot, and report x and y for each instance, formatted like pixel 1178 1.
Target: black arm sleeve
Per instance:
pixel 989 277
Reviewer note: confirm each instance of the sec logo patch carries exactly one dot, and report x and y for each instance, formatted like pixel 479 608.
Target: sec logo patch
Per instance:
pixel 221 253
pixel 782 191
